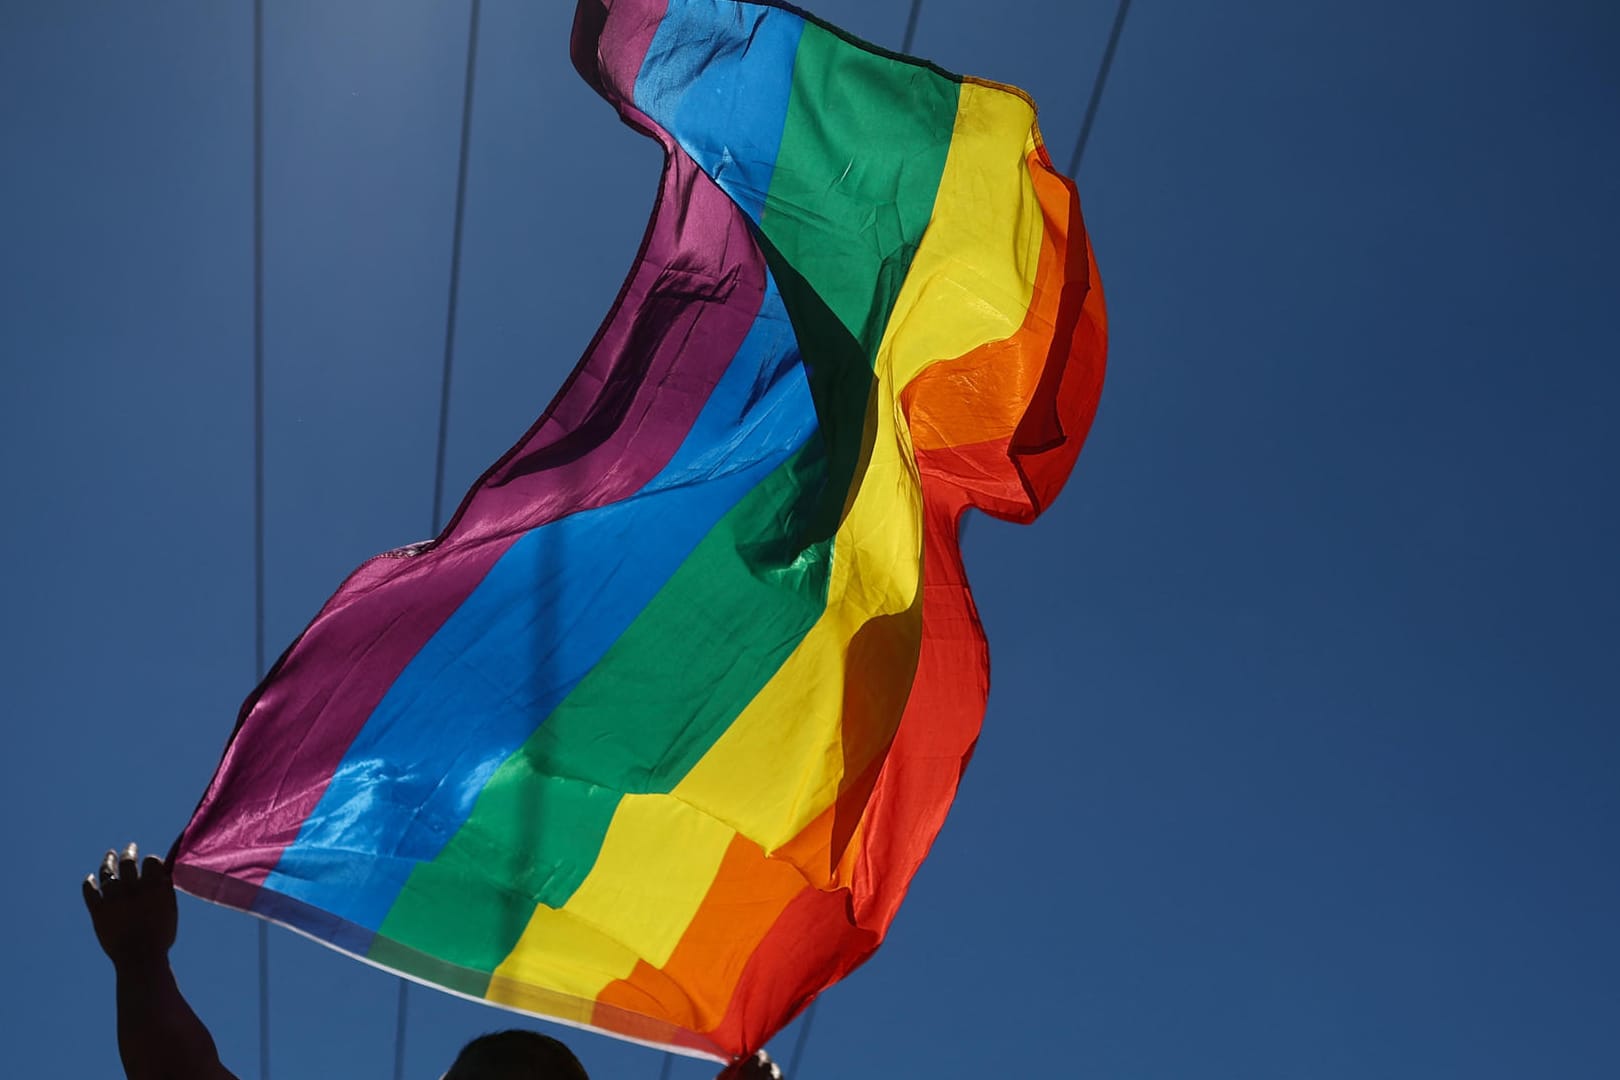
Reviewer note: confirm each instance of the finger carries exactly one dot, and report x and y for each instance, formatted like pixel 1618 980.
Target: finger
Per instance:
pixel 109 871
pixel 128 865
pixel 154 867
pixel 92 895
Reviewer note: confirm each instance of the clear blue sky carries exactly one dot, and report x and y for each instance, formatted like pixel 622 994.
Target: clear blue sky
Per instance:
pixel 1303 757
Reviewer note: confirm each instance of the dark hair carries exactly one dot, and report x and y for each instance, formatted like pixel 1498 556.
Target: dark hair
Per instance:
pixel 516 1055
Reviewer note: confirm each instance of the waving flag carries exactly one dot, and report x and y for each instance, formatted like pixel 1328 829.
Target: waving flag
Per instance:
pixel 654 736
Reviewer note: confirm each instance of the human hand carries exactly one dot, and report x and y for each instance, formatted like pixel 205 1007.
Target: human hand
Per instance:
pixel 132 908
pixel 757 1067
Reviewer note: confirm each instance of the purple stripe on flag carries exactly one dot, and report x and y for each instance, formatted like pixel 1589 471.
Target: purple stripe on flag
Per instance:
pixel 614 426
pixel 635 27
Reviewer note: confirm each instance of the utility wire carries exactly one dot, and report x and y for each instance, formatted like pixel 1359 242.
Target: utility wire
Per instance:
pixel 402 1009
pixel 264 1000
pixel 258 338
pixel 258 464
pixel 911 26
pixel 804 1038
pixel 455 267
pixel 1099 86
pixel 399 1028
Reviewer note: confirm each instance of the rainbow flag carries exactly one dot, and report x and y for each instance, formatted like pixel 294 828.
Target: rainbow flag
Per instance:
pixel 653 738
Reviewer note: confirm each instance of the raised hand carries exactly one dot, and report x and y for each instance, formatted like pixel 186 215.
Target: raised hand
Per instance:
pixel 132 908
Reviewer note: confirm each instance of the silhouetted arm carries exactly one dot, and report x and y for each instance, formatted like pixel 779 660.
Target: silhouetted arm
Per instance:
pixel 135 916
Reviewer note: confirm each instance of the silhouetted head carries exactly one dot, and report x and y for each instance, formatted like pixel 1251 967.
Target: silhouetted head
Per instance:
pixel 516 1055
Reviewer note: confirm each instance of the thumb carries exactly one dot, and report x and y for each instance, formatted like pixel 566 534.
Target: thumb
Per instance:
pixel 92 895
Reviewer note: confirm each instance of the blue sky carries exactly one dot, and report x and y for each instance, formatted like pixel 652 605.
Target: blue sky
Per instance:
pixel 1301 759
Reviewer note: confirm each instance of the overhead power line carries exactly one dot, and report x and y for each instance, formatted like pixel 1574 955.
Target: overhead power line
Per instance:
pixel 453 304
pixel 1099 86
pixel 258 464
pixel 911 26
pixel 400 1014
pixel 804 1038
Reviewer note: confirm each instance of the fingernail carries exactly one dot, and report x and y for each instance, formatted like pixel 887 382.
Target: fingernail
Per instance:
pixel 131 852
